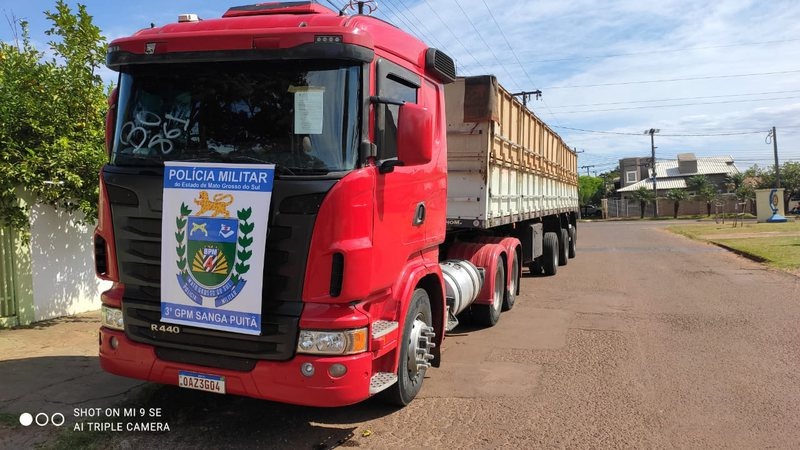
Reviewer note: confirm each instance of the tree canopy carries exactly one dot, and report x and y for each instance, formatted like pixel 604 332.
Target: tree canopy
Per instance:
pixel 52 111
pixel 590 189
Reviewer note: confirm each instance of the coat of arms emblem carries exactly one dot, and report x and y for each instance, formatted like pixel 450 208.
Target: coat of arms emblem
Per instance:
pixel 213 251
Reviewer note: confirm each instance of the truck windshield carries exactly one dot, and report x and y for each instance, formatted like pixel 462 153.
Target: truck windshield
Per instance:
pixel 302 117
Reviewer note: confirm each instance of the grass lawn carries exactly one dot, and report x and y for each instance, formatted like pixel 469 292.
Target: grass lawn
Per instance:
pixel 701 230
pixel 781 252
pixel 777 244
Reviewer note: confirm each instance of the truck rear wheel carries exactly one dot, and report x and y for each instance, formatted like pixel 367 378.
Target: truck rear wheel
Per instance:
pixel 511 292
pixel 563 243
pixel 488 315
pixel 573 241
pixel 550 253
pixel 415 351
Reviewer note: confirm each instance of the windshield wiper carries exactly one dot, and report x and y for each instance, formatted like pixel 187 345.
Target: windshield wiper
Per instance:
pixel 131 160
pixel 309 171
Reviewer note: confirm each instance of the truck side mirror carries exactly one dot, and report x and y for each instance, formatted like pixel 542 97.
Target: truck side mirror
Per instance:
pixel 414 135
pixel 111 119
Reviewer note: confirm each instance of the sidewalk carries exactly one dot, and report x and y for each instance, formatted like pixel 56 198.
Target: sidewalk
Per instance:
pixel 52 367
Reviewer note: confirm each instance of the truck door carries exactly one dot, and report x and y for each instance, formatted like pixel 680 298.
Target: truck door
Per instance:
pixel 399 195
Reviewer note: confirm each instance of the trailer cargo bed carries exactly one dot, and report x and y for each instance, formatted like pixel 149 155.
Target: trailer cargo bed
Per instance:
pixel 504 164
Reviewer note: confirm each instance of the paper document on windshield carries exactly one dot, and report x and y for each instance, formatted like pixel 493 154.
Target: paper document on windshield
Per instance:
pixel 308 104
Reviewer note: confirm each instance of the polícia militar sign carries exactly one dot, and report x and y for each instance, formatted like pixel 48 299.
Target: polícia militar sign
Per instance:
pixel 214 231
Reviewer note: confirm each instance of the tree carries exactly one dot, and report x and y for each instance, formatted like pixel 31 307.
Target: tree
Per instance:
pixel 590 189
pixel 704 190
pixel 736 180
pixel 643 196
pixel 52 117
pixel 677 196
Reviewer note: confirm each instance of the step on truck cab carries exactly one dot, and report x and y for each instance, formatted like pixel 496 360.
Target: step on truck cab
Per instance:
pixel 337 128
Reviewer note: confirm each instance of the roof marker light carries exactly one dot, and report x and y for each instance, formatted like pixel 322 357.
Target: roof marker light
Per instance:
pixel 332 39
pixel 188 18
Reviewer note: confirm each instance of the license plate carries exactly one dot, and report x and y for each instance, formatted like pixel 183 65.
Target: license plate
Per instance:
pixel 201 382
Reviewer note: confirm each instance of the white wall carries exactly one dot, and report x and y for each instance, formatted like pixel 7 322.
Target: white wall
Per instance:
pixel 62 261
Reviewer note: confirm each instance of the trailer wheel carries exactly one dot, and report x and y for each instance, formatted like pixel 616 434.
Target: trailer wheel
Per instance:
pixel 511 292
pixel 415 351
pixel 573 241
pixel 488 315
pixel 563 244
pixel 550 253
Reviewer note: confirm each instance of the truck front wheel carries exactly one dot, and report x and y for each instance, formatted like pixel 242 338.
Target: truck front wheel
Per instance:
pixel 415 351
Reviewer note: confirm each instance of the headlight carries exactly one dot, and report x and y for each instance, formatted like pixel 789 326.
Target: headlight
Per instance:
pixel 345 342
pixel 111 318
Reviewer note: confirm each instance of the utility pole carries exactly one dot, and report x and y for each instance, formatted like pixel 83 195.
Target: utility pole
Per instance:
pixel 587 168
pixel 774 137
pixel 527 94
pixel 652 132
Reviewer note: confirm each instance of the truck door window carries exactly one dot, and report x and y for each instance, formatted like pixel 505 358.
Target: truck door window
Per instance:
pixel 394 87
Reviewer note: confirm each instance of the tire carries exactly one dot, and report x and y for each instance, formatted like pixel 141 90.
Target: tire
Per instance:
pixel 573 241
pixel 550 253
pixel 563 243
pixel 417 326
pixel 488 315
pixel 511 293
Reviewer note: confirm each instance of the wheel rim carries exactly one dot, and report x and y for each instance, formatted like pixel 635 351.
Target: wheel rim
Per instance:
pixel 499 289
pixel 419 348
pixel 512 290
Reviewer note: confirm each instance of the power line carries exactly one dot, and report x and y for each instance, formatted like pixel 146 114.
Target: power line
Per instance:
pixel 422 24
pixel 516 58
pixel 491 50
pixel 336 8
pixel 675 99
pixel 625 133
pixel 676 50
pixel 503 34
pixel 407 22
pixel 435 13
pixel 679 105
pixel 674 79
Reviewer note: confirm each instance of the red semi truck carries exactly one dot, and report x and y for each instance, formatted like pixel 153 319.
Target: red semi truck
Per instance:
pixel 400 197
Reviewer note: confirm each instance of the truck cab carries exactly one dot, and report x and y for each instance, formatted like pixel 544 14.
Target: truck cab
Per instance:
pixel 350 111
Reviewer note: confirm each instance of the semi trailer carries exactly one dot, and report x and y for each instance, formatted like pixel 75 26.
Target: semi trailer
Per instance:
pixel 299 204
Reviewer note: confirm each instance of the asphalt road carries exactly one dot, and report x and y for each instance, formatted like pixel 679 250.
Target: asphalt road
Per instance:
pixel 646 339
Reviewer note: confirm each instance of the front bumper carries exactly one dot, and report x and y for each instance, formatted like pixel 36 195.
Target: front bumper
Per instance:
pixel 269 380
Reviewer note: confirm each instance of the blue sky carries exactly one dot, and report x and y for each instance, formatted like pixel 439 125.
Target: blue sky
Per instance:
pixel 700 71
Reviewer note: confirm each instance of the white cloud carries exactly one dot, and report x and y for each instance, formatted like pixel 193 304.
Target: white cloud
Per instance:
pixel 568 43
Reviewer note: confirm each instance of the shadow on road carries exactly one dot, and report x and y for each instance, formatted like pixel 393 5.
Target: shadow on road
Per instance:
pixel 195 419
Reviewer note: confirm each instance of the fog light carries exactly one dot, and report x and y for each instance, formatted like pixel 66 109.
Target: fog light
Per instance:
pixel 114 342
pixel 307 369
pixel 337 370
